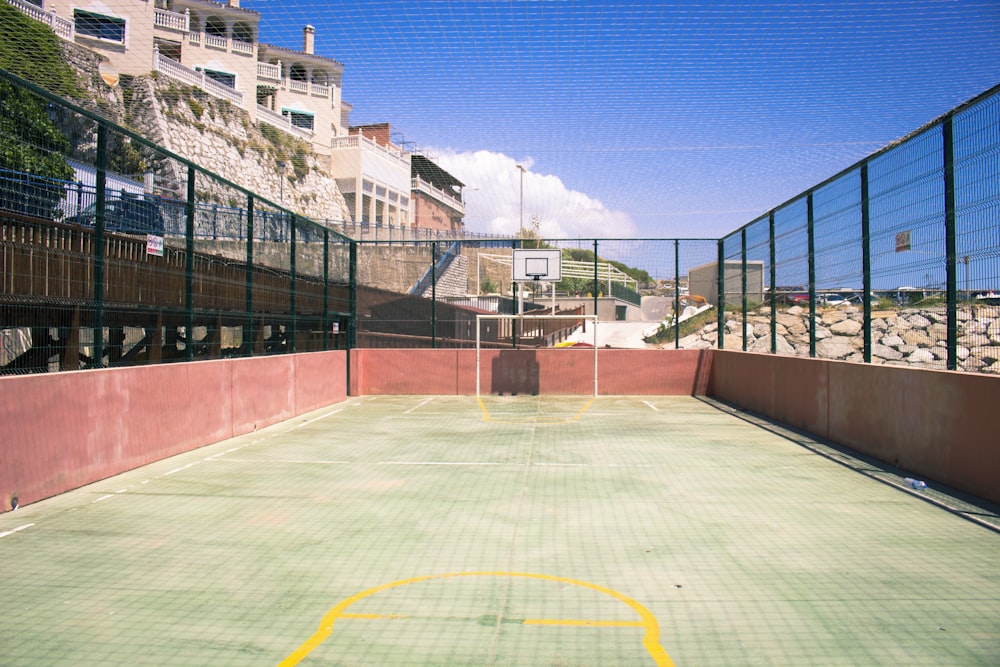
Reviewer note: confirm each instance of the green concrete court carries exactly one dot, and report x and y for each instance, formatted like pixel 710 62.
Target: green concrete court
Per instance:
pixel 521 531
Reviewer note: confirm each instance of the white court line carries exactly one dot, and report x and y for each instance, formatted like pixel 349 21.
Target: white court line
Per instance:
pixel 653 407
pixel 11 532
pixel 171 472
pixel 418 405
pixel 442 463
pixel 232 460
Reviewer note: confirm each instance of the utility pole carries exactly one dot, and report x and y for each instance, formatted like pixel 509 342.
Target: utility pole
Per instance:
pixel 521 228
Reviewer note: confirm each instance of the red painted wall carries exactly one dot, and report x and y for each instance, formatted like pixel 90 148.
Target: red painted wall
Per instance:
pixel 938 425
pixel 563 371
pixel 60 431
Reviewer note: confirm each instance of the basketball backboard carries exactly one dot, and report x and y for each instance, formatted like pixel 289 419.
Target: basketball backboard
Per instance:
pixel 533 264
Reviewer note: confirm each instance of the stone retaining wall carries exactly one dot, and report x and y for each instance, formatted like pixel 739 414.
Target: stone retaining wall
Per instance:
pixel 909 337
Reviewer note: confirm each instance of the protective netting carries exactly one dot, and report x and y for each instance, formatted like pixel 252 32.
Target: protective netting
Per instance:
pixel 187 179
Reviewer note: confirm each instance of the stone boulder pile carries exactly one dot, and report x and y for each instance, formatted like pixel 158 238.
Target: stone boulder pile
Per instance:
pixel 909 337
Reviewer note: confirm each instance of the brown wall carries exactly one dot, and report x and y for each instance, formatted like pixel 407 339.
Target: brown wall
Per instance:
pixel 59 431
pixel 563 371
pixel 939 425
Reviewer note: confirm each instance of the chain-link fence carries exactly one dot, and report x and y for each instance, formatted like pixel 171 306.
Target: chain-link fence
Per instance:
pixel 428 294
pixel 895 260
pixel 117 252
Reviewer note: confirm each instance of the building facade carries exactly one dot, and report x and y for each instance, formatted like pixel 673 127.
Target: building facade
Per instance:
pixel 214 46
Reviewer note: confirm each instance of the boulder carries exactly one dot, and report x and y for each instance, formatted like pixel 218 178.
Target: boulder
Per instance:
pixel 918 338
pixel 833 316
pixel 885 352
pixel 783 346
pixel 837 347
pixel 893 341
pixel 918 321
pixel 846 328
pixel 921 356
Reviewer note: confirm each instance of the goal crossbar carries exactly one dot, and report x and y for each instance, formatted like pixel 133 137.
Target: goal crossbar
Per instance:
pixel 527 318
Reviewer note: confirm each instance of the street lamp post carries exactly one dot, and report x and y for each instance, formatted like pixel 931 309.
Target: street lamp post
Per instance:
pixel 521 228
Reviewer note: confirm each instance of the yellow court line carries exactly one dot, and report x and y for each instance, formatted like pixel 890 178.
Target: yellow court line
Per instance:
pixel 582 623
pixel 487 417
pixel 650 641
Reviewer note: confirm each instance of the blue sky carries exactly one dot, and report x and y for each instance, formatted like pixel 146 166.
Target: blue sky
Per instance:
pixel 637 118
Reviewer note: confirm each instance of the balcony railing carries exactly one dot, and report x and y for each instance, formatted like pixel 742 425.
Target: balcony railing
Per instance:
pixel 448 198
pixel 179 72
pixel 265 115
pixel 319 89
pixel 240 46
pixel 217 42
pixel 298 86
pixel 269 72
pixel 172 20
pixel 62 27
pixel 364 143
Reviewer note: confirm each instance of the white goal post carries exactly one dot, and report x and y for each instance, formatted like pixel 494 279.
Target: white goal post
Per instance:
pixel 527 325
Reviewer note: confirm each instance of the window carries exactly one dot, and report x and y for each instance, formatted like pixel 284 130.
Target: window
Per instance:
pixel 99 26
pixel 302 119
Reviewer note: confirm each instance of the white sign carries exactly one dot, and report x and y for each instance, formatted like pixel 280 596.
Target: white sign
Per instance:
pixel 154 245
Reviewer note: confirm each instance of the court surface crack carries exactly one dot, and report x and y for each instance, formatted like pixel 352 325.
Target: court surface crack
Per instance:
pixel 513 540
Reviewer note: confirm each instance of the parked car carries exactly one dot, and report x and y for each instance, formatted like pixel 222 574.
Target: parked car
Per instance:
pixel 129 214
pixel 837 299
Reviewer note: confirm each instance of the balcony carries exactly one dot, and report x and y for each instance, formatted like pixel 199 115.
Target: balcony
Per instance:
pixel 284 123
pixel 178 72
pixel 244 48
pixel 62 27
pixel 357 141
pixel 172 20
pixel 449 199
pixel 216 42
pixel 269 72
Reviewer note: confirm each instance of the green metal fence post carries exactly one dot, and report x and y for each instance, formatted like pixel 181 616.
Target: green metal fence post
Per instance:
pixel 97 360
pixel 596 283
pixel 866 263
pixel 515 290
pixel 950 241
pixel 352 306
pixel 743 284
pixel 721 306
pixel 433 294
pixel 811 233
pixel 772 278
pixel 677 294
pixel 249 333
pixel 189 265
pixel 293 220
pixel 326 289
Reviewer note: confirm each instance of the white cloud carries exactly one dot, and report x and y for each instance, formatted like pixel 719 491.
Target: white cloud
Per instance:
pixel 493 199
